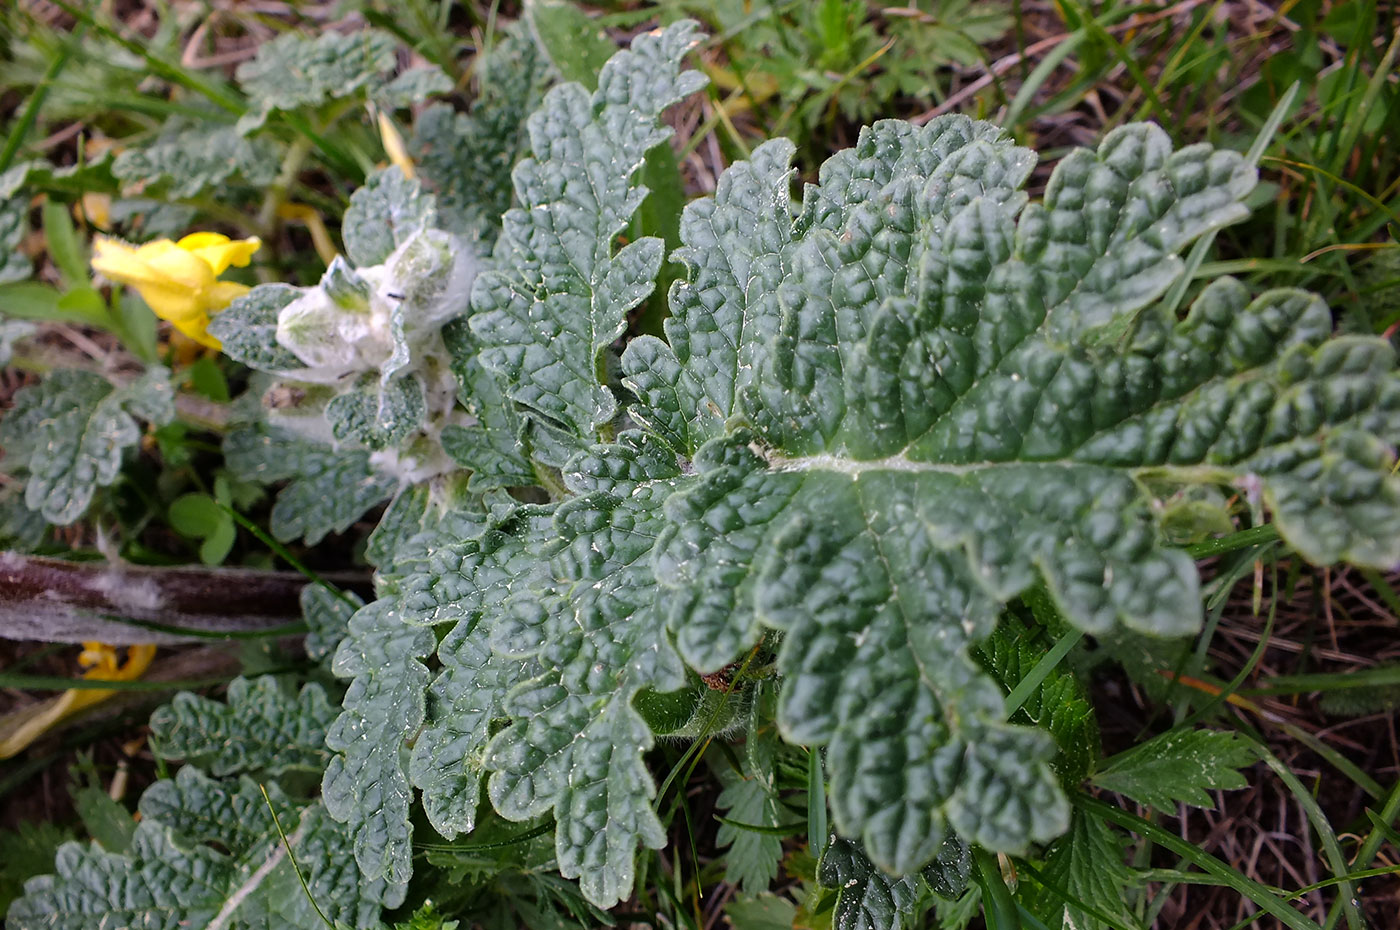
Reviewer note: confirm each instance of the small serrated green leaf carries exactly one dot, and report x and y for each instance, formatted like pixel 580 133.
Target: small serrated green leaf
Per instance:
pixel 72 431
pixel 1086 867
pixel 1179 766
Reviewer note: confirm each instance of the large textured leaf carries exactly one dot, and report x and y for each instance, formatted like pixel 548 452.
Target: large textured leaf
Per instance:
pixel 561 289
pixel 294 71
pixel 876 420
pixel 949 405
pixel 248 328
pixel 260 728
pixel 71 431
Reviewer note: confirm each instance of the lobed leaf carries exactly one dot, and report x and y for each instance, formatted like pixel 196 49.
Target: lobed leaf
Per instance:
pixel 71 432
pixel 560 290
pixel 366 786
pixel 259 728
pixel 294 71
pixel 1179 766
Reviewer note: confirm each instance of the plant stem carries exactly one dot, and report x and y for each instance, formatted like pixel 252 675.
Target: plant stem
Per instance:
pixel 49 600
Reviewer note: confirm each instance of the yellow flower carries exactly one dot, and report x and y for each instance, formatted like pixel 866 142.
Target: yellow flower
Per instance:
pixel 180 280
pixel 19 729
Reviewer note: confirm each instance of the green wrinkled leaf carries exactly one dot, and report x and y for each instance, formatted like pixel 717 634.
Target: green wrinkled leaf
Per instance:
pixel 327 617
pixel 188 162
pixel 261 728
pixel 575 196
pixel 377 419
pixel 294 71
pixel 14 224
pixel 866 898
pixel 71 432
pixel 1179 766
pixel 169 878
pixel 328 490
pixel 366 786
pixel 413 86
pixel 465 159
pixel 877 417
pixel 494 447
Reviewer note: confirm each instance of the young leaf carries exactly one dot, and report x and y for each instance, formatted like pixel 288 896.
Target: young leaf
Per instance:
pixel 1060 705
pixel 1179 766
pixel 383 215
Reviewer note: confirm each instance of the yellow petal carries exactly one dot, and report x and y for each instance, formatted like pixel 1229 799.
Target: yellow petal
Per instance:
pixel 198 330
pixel 170 301
pixel 201 240
pixel 120 262
pixel 20 729
pixel 224 293
pixel 175 265
pixel 219 255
